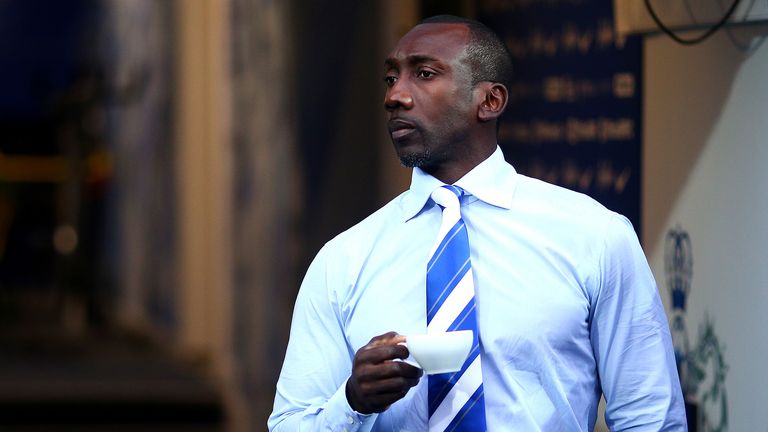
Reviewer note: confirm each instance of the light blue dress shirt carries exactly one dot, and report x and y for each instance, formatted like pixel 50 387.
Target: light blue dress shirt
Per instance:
pixel 567 309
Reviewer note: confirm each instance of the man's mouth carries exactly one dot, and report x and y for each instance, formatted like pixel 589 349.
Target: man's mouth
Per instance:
pixel 400 128
pixel 400 133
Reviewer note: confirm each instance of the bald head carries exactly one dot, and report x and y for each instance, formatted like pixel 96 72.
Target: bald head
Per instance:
pixel 486 54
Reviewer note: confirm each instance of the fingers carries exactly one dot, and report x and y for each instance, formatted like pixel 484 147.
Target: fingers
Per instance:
pixel 374 387
pixel 383 401
pixel 381 353
pixel 368 372
pixel 391 338
pixel 378 380
pixel 395 384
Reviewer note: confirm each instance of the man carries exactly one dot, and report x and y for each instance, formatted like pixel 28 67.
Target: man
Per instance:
pixel 563 302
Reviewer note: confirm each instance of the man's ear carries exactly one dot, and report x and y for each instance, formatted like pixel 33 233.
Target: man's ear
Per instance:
pixel 495 97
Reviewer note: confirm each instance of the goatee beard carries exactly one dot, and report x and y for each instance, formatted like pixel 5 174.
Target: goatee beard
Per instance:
pixel 414 160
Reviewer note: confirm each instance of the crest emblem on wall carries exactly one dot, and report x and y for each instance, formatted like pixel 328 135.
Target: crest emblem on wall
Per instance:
pixel 702 369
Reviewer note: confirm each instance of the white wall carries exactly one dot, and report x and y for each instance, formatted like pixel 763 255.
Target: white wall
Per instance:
pixel 705 170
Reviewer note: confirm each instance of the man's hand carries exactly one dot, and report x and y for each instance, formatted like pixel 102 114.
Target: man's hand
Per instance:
pixel 377 381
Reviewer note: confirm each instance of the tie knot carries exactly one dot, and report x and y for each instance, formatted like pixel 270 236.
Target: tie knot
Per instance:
pixel 447 196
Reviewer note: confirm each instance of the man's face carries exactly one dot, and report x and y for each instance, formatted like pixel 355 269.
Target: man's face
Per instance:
pixel 429 95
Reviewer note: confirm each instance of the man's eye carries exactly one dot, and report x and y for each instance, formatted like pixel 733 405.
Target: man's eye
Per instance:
pixel 390 80
pixel 425 74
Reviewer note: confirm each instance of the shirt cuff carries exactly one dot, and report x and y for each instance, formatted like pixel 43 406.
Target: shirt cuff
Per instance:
pixel 344 418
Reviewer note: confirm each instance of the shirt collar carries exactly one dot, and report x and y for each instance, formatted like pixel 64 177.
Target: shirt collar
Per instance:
pixel 492 181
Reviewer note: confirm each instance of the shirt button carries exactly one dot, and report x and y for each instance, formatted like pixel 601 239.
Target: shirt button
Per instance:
pixel 350 420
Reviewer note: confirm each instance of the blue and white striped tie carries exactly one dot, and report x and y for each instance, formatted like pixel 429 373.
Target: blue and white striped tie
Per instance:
pixel 456 401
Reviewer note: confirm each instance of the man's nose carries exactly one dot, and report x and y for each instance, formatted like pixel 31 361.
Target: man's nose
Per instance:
pixel 398 96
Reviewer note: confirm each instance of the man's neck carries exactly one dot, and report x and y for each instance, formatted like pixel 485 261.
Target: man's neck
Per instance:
pixel 450 173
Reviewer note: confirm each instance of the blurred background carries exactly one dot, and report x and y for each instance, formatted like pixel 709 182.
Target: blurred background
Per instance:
pixel 168 169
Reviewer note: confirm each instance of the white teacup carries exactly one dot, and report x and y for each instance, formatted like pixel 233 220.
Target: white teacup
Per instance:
pixel 440 352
